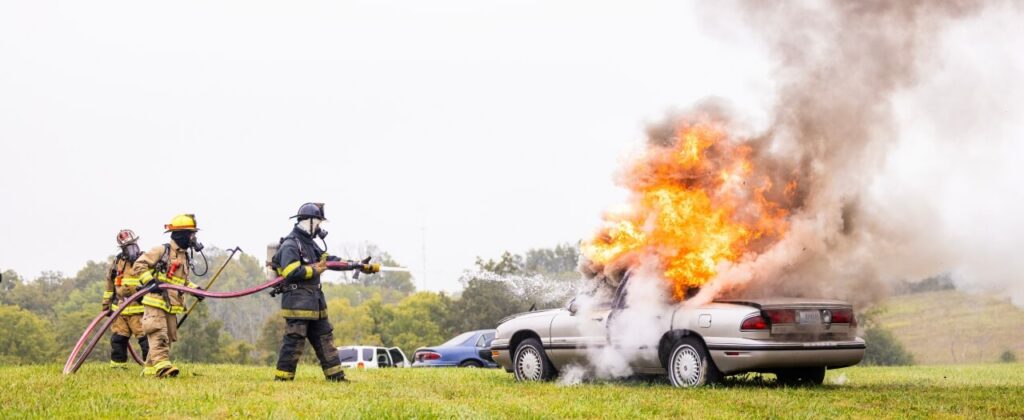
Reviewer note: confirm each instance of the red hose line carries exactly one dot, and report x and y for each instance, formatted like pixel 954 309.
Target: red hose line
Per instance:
pixel 222 295
pixel 77 361
pixel 135 356
pixel 85 334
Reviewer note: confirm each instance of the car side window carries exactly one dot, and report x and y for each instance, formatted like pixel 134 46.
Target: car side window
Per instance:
pixel 396 356
pixel 488 338
pixel 480 341
pixel 382 358
pixel 367 355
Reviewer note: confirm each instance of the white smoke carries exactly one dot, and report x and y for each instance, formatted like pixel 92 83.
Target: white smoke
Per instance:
pixel 633 331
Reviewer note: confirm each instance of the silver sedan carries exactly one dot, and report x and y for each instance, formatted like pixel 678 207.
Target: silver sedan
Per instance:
pixel 796 339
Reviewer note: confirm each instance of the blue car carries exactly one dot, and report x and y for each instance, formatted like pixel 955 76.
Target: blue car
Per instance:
pixel 469 349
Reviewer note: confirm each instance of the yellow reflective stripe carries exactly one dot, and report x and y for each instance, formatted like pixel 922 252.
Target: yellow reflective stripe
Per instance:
pixel 133 310
pixel 303 313
pixel 309 272
pixel 156 302
pixel 284 374
pixel 131 281
pixel 146 276
pixel 171 279
pixel 284 272
pixel 192 285
pixel 159 303
pixel 332 370
pixel 108 295
pixel 149 371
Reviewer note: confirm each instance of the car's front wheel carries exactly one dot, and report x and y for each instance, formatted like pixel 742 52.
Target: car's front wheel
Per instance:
pixel 470 364
pixel 531 362
pixel 689 364
pixel 801 376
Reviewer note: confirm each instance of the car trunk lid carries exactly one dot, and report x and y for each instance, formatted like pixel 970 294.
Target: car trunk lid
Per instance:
pixel 799 319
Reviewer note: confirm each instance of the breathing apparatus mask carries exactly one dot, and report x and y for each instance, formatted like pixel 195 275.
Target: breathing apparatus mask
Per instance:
pixel 312 227
pixel 131 252
pixel 186 239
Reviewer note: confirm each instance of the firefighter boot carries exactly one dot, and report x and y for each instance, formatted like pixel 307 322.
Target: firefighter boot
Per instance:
pixel 118 351
pixel 165 369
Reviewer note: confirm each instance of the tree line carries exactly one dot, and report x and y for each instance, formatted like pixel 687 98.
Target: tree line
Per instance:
pixel 43 317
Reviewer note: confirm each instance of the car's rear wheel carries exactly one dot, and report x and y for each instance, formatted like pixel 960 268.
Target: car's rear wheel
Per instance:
pixel 801 376
pixel 689 364
pixel 470 364
pixel 531 363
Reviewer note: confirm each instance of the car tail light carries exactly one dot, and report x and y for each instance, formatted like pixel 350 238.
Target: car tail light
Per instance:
pixel 781 316
pixel 756 322
pixel 360 365
pixel 844 316
pixel 427 355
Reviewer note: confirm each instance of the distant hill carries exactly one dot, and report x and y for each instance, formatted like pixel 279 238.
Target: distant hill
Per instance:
pixel 951 326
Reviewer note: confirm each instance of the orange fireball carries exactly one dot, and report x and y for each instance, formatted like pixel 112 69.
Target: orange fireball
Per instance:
pixel 697 202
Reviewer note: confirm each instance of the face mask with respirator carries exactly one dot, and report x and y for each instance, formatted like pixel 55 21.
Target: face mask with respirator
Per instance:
pixel 312 227
pixel 187 240
pixel 130 252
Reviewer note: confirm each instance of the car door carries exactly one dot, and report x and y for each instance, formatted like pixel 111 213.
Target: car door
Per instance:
pixel 639 345
pixel 382 357
pixel 398 357
pixel 575 330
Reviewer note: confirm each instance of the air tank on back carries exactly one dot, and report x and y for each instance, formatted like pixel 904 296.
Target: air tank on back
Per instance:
pixel 271 251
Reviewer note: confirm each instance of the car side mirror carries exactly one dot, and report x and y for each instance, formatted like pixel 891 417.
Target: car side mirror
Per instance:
pixel 573 307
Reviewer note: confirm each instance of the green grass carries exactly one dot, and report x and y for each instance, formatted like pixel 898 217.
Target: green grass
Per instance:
pixel 218 391
pixel 954 327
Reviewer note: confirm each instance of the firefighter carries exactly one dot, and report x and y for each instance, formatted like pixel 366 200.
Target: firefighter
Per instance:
pixel 120 285
pixel 167 263
pixel 301 261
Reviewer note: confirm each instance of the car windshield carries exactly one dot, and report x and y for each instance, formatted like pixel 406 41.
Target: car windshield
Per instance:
pixel 458 340
pixel 347 355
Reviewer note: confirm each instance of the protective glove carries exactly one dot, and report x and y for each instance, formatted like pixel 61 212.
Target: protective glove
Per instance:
pixel 320 267
pixel 370 268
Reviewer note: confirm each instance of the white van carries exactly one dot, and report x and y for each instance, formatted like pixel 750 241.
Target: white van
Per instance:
pixel 372 357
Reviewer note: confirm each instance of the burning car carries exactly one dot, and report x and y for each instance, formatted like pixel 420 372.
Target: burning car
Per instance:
pixel 796 339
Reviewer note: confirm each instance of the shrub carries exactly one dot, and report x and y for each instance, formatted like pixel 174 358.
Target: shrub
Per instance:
pixel 1008 357
pixel 884 350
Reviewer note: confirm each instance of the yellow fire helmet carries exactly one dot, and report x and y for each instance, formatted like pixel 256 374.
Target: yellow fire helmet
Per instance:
pixel 182 222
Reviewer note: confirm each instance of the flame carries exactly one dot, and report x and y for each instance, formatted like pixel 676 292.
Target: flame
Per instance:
pixel 695 204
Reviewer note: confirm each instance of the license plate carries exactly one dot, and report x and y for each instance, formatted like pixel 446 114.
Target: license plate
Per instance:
pixel 808 317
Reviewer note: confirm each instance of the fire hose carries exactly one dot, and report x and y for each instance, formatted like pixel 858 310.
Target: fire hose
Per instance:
pixel 75 361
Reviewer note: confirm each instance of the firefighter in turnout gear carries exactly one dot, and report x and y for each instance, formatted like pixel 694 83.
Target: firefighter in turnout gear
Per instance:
pixel 168 263
pixel 120 285
pixel 301 261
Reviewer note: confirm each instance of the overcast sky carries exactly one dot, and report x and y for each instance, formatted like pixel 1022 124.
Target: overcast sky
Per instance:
pixel 439 130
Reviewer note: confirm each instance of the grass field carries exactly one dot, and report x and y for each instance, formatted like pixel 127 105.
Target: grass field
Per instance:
pixel 218 391
pixel 950 326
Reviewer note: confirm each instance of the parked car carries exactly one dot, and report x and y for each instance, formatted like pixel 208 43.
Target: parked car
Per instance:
pixel 469 349
pixel 796 339
pixel 372 357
